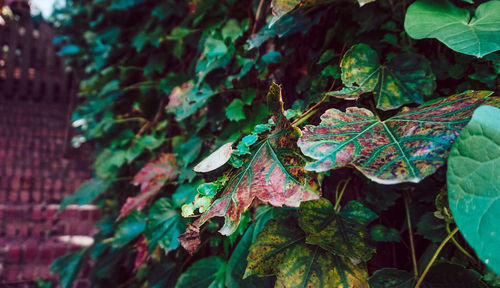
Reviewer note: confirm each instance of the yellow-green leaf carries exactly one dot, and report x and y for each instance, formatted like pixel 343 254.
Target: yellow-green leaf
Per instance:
pixel 343 233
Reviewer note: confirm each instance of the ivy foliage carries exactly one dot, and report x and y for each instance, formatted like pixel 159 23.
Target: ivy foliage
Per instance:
pixel 313 135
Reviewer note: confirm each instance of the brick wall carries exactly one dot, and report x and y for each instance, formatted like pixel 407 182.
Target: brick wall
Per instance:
pixel 35 176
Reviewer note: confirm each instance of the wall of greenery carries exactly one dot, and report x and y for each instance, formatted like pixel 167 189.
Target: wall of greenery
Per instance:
pixel 341 150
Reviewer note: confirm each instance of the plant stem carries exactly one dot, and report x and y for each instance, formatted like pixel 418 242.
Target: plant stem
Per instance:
pixel 257 16
pixel 434 257
pixel 140 119
pixel 338 196
pixel 410 233
pixel 459 247
pixel 303 118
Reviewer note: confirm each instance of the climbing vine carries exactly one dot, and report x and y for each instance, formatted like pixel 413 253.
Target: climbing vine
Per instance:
pixel 287 143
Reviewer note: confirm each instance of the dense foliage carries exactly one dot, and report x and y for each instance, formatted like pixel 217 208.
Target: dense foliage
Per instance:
pixel 333 177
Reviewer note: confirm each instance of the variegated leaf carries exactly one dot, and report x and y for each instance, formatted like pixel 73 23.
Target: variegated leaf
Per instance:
pixel 343 233
pixel 151 178
pixel 404 148
pixel 280 250
pixel 402 80
pixel 274 173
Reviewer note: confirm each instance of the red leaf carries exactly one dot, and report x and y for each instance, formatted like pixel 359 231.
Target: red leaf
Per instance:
pixel 274 174
pixel 151 178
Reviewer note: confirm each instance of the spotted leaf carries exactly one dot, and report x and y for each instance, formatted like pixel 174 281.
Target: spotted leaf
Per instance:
pixel 343 233
pixel 404 148
pixel 280 250
pixel 274 173
pixel 402 80
pixel 151 178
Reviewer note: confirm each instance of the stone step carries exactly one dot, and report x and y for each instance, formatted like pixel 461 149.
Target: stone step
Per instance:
pixel 44 220
pixel 25 260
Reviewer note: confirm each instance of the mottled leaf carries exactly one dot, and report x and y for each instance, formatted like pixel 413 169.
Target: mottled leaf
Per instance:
pixel 280 250
pixel 343 233
pixel 442 275
pixel 205 273
pixel 404 148
pixel 238 260
pixel 191 238
pixel 273 174
pixel 477 36
pixel 402 80
pixel 473 179
pixel 151 178
pixel 165 224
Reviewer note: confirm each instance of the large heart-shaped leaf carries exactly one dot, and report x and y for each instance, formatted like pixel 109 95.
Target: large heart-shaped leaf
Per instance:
pixel 477 36
pixel 273 174
pixel 404 148
pixel 402 80
pixel 442 275
pixel 474 184
pixel 151 178
pixel 343 233
pixel 280 250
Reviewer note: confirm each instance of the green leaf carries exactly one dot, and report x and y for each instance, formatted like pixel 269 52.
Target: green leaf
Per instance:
pixel 380 233
pixel 128 229
pixel 205 273
pixel 443 275
pixel 477 36
pixel 234 111
pixel 231 30
pixel 474 184
pixel 343 233
pixel 124 4
pixel 274 174
pixel 432 228
pixel 86 193
pixel 404 148
pixel 68 267
pixel 165 224
pixel 185 100
pixel 406 78
pixel 69 50
pixel 238 260
pixel 280 250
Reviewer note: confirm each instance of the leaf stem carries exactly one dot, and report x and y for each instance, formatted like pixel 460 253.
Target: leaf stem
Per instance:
pixel 338 196
pixel 303 118
pixel 123 120
pixel 410 233
pixel 459 247
pixel 434 257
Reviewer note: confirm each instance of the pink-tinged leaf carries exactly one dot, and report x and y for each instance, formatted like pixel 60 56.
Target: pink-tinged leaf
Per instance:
pixel 151 178
pixel 405 148
pixel 142 252
pixel 274 173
